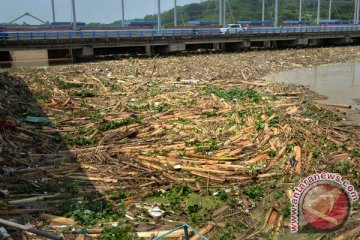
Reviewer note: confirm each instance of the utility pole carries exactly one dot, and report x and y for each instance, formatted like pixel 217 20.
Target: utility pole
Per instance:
pixel 224 12
pixel 53 10
pixel 159 15
pixel 330 9
pixel 276 20
pixel 318 12
pixel 220 12
pixel 356 13
pixel 175 13
pixel 122 13
pixel 355 10
pixel 300 10
pixel 263 11
pixel 74 14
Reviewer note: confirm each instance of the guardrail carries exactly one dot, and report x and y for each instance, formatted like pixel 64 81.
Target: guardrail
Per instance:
pixel 86 35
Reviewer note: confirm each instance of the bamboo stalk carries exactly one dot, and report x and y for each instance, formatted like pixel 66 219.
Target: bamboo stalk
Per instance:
pixel 297 152
pixel 204 231
pixel 56 220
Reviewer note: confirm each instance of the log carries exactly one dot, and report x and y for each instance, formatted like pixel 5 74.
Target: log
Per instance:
pixel 335 105
pixel 256 159
pixel 178 180
pixel 204 231
pixel 33 199
pixel 297 152
pixel 205 170
pixel 220 211
pixel 56 220
pixel 151 234
pixel 209 177
pixel 276 158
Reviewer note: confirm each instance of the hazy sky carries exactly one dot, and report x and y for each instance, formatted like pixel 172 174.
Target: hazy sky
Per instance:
pixel 104 11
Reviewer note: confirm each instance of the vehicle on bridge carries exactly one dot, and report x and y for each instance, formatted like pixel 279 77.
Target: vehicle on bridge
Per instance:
pixel 232 29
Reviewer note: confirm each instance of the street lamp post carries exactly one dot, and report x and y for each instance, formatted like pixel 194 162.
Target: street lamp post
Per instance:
pixel 73 13
pixel 175 13
pixel 276 20
pixel 53 10
pixel 122 13
pixel 159 15
pixel 318 12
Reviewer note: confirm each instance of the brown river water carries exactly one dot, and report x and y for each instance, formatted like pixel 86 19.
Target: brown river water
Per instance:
pixel 339 82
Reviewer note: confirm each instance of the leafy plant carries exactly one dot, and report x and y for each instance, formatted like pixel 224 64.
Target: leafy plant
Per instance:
pixel 121 231
pixel 92 212
pixel 274 121
pixel 84 93
pixel 238 94
pixel 286 211
pixel 254 192
pixel 68 85
pixel 114 124
pixel 206 146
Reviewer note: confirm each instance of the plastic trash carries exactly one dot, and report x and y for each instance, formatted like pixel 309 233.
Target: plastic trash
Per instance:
pixel 156 212
pixel 37 120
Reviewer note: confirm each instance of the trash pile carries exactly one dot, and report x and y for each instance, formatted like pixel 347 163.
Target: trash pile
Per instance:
pixel 133 148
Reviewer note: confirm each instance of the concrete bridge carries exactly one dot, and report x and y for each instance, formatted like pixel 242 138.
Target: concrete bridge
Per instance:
pixel 46 46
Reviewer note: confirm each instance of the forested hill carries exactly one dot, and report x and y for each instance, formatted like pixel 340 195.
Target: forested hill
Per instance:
pixel 251 10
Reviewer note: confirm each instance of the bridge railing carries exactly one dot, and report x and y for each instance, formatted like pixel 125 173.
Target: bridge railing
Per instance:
pixel 94 35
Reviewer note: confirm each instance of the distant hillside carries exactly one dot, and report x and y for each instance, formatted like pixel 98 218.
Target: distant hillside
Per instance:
pixel 251 10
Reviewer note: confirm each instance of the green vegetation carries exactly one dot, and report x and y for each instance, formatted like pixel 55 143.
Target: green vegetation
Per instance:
pixel 68 85
pixel 91 212
pixel 254 192
pixel 286 211
pixel 235 94
pixel 83 93
pixel 249 10
pixel 181 200
pixel 341 167
pixel 114 124
pixel 121 231
pixel 206 146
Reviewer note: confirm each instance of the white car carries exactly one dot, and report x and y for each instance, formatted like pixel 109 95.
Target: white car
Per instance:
pixel 231 29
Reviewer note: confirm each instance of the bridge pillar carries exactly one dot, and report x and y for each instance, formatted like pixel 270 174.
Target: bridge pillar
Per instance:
pixel 267 44
pixel 87 52
pixel 345 40
pixel 171 48
pixel 30 58
pixel 236 46
pixel 315 42
pixel 217 46
pixel 5 59
pixel 293 43
pixel 149 50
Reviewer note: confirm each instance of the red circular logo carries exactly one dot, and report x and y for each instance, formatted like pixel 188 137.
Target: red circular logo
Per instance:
pixel 325 206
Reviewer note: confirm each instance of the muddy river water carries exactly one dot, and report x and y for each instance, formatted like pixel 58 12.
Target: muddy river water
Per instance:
pixel 339 82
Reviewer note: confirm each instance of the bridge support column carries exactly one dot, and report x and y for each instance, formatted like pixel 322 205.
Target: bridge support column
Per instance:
pixel 30 58
pixel 267 44
pixel 217 46
pixel 5 59
pixel 315 42
pixel 340 41
pixel 237 46
pixel 294 43
pixel 171 48
pixel 87 52
pixel 149 51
